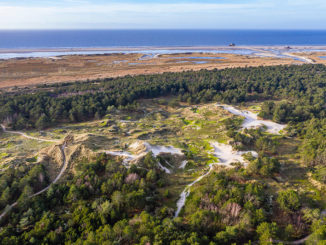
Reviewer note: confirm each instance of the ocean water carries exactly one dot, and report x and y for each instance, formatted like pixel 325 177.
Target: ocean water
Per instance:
pixel 155 38
pixel 25 44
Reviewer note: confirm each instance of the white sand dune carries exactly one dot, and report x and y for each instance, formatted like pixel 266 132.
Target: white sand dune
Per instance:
pixel 227 155
pixel 251 120
pixel 143 148
pixel 183 164
pixel 127 157
pixel 157 150
pixel 166 170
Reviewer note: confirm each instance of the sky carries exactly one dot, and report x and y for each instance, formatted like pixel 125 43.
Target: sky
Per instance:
pixel 163 14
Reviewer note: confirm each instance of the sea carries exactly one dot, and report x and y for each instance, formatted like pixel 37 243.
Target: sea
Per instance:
pixel 15 43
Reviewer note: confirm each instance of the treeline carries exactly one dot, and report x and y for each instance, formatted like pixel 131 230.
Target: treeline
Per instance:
pixel 313 147
pixel 103 202
pixel 284 111
pixel 49 105
pixel 308 123
pixel 20 183
pixel 232 208
pixel 106 203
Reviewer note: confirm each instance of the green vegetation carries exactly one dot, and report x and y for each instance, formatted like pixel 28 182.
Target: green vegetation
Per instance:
pixel 278 196
pixel 19 183
pixel 53 104
pixel 3 155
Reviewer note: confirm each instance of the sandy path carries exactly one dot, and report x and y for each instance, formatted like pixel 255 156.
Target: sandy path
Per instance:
pixel 279 53
pixel 301 58
pixel 183 196
pixel 225 153
pixel 64 167
pixel 27 136
pixel 183 164
pixel 226 156
pixel 302 240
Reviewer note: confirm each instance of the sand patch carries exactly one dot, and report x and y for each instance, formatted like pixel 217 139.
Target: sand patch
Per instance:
pixel 251 120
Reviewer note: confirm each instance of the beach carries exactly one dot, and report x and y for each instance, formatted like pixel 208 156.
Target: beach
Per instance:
pixel 25 67
pixel 241 49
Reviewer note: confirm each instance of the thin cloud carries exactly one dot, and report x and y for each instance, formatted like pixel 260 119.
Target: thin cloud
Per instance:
pixel 83 14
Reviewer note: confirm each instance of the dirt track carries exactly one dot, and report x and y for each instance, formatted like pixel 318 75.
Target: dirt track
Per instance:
pixel 63 168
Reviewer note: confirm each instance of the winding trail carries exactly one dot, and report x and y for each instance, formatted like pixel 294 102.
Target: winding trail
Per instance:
pixel 298 57
pixel 27 136
pixel 226 156
pixel 64 167
pixel 302 240
pixel 279 53
pixel 183 196
pixel 225 153
pixel 251 121
pixel 183 164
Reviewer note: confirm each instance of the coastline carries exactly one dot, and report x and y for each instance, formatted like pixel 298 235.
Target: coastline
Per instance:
pixel 270 51
pixel 79 64
pixel 158 48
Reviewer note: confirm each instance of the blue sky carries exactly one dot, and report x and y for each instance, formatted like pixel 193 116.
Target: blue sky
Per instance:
pixel 163 14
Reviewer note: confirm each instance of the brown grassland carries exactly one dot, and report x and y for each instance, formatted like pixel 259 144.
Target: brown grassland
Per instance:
pixel 33 71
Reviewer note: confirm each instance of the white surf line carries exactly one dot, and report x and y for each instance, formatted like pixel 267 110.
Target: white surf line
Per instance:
pixel 26 136
pixel 64 167
pixel 251 120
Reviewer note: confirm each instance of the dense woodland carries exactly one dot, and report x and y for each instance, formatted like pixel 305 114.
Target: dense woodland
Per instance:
pixel 80 101
pixel 106 203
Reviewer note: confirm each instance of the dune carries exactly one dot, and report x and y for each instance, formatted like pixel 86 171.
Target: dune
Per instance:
pixel 251 120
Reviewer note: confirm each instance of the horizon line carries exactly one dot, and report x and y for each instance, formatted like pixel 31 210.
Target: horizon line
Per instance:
pixel 162 29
